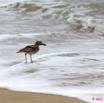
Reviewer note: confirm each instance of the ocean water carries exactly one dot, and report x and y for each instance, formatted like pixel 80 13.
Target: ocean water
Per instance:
pixel 72 63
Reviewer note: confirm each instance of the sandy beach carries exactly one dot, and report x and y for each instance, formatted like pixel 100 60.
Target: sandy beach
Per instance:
pixel 8 96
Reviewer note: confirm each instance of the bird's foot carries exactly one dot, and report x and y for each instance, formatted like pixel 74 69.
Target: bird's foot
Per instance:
pixel 31 61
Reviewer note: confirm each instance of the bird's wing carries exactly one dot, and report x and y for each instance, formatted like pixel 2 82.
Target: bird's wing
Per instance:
pixel 27 48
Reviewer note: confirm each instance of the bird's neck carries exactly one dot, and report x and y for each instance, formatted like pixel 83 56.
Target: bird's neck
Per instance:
pixel 36 46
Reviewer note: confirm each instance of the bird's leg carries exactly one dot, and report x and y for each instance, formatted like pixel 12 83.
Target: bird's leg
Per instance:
pixel 26 58
pixel 31 58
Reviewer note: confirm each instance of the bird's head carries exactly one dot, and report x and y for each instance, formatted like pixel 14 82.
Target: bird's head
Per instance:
pixel 38 43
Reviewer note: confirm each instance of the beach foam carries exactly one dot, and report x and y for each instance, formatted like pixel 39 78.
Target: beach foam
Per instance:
pixel 52 73
pixel 71 63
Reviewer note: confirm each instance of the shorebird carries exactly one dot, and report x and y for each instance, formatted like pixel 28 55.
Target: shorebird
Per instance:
pixel 31 49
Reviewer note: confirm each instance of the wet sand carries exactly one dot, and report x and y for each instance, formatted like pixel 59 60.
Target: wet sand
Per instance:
pixel 8 96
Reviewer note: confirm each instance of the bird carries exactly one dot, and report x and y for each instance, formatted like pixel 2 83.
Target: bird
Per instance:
pixel 31 49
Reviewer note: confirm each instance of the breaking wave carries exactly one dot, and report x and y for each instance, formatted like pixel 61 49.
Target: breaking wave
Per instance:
pixel 83 17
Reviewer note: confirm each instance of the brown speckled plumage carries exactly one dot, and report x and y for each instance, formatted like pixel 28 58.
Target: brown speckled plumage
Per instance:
pixel 31 49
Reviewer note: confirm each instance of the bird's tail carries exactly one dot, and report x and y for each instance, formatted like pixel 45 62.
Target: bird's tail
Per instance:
pixel 18 52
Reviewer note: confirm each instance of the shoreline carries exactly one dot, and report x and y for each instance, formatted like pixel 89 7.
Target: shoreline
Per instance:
pixel 9 96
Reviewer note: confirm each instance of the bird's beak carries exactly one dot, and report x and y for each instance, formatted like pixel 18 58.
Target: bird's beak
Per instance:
pixel 43 44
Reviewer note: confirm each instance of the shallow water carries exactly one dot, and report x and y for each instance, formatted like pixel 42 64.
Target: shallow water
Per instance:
pixel 73 59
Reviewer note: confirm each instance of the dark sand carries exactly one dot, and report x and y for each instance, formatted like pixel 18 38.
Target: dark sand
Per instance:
pixel 8 96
